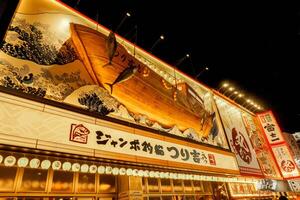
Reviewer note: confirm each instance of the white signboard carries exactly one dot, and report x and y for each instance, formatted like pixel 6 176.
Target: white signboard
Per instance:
pixel 238 138
pixel 285 161
pixel 270 127
pixel 65 129
pixel 295 185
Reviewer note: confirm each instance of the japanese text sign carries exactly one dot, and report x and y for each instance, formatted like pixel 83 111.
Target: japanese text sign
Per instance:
pixel 270 127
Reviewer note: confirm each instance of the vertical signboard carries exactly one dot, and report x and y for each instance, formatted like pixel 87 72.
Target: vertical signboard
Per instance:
pixel 238 138
pixel 285 161
pixel 294 148
pixel 278 145
pixel 260 145
pixel 271 128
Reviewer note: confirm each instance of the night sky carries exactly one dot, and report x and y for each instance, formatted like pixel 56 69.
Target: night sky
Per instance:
pixel 254 46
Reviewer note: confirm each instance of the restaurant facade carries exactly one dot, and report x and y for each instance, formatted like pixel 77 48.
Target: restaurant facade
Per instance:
pixel 85 114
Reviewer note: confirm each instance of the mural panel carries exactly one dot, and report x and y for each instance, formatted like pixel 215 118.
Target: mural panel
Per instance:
pixel 54 53
pixel 238 138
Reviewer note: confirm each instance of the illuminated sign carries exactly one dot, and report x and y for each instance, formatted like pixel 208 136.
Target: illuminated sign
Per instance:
pixel 47 127
pixel 238 138
pixel 270 128
pixel 278 145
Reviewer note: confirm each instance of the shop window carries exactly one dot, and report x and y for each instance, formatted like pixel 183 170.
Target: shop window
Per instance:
pixel 188 186
pixel 34 180
pixel 198 186
pixel 86 183
pixel 107 184
pixel 7 178
pixel 153 185
pixel 62 181
pixel 177 184
pixel 166 185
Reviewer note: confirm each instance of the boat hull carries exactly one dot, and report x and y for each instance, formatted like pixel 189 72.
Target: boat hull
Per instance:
pixel 145 92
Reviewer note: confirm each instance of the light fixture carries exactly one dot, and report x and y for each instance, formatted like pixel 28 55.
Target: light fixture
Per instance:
pixel 66 166
pixel 23 162
pixel 230 89
pixel 122 171
pixel 9 161
pixel 234 93
pixel 224 85
pixel 56 165
pixel 101 170
pixel 93 169
pixel 115 171
pixel 34 163
pixel 161 37
pixel 240 95
pixel 45 164
pixel 84 168
pixel 75 167
pixel 129 172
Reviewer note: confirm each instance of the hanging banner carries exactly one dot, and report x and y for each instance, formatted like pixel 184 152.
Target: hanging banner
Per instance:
pixel 283 157
pixel 294 148
pixel 285 161
pixel 260 145
pixel 238 138
pixel 270 127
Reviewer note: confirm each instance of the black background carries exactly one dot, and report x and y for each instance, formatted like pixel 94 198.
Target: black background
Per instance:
pixel 255 46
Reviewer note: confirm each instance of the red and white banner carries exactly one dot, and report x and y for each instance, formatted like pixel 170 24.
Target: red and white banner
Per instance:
pixel 270 127
pixel 238 138
pixel 285 161
pixel 278 145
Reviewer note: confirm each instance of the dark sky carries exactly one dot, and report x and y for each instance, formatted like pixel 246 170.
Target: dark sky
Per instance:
pixel 253 45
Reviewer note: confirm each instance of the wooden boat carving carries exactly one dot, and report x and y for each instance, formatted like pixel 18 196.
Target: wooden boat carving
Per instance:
pixel 145 92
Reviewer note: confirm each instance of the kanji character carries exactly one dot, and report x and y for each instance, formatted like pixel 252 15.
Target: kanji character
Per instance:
pixel 269 127
pixel 195 155
pixel 203 157
pixel 135 145
pixel 185 154
pixel 176 155
pixel 147 147
pixel 99 137
pixel 123 142
pixel 159 150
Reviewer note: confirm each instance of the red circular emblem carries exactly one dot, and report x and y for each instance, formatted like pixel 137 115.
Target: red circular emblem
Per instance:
pixel 287 165
pixel 241 146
